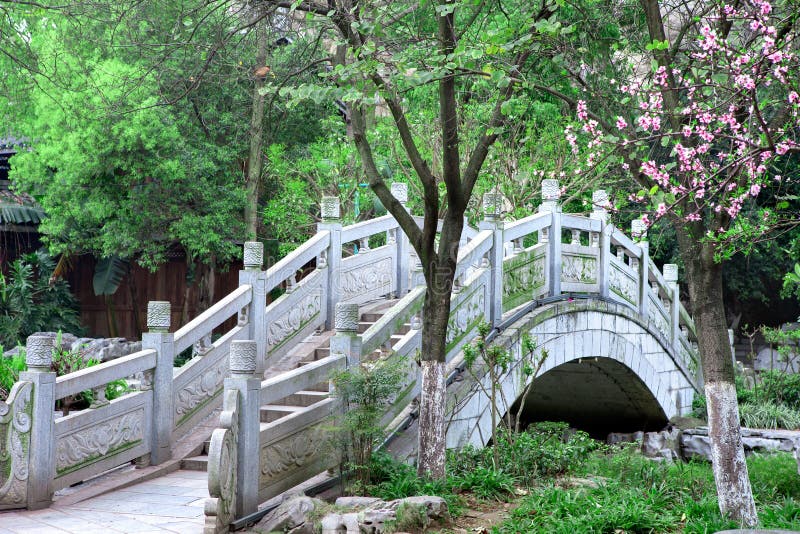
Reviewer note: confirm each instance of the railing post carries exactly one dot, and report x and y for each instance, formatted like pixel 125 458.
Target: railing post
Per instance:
pixel 162 341
pixel 492 206
pixel 601 240
pixel 347 341
pixel 400 192
pixel 42 459
pixel 255 313
pixel 331 222
pixel 243 362
pixel 551 193
pixel 639 232
pixel 671 276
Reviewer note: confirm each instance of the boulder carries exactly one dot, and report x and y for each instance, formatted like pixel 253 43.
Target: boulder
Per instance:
pixel 292 515
pixel 664 444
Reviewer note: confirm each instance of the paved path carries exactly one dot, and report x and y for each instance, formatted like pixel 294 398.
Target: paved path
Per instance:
pixel 172 503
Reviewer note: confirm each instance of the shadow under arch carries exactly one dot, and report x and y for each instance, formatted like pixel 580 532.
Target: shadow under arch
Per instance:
pixel 613 388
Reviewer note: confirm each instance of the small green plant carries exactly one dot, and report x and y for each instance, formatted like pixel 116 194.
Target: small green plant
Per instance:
pixel 768 414
pixel 10 367
pixel 497 360
pixel 487 483
pixel 365 392
pixel 409 517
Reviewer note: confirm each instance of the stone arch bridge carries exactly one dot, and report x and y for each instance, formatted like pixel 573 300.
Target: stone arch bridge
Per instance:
pixel 618 341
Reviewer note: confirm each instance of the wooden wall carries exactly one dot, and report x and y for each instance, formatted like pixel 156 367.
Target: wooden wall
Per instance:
pixel 168 283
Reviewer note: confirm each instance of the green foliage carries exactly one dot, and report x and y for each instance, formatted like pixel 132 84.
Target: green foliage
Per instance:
pixel 410 517
pixel 32 300
pixel 365 392
pixel 487 483
pixel 108 275
pixel 625 492
pixel 10 367
pixel 766 414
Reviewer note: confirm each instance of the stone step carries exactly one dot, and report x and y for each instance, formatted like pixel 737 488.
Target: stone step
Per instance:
pixel 195 463
pixel 322 352
pixel 303 398
pixel 273 412
pixel 363 326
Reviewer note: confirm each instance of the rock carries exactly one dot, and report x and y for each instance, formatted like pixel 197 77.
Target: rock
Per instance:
pixel 435 507
pixel 357 502
pixel 756 531
pixel 333 524
pixel 767 359
pixel 685 423
pixel 373 521
pixel 621 437
pixel 695 446
pixel 664 444
pixel 291 515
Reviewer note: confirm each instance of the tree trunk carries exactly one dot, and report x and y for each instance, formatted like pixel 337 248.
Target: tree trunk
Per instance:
pixel 439 274
pixel 254 162
pixel 704 280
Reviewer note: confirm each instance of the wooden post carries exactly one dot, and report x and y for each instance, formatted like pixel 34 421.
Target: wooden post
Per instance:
pixel 42 458
pixel 331 222
pixel 159 339
pixel 255 277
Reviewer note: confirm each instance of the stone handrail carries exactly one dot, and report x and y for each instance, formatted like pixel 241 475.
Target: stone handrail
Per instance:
pixel 217 314
pixel 288 266
pixel 283 385
pixel 380 332
pixel 102 374
pixel 363 229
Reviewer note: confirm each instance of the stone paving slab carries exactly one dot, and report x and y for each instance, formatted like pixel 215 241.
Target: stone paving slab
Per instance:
pixel 173 503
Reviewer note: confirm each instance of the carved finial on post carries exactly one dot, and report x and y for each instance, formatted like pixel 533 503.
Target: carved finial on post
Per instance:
pixel 551 193
pixel 158 316
pixel 492 206
pixel 39 352
pixel 670 272
pixel 638 230
pixel 600 205
pixel 400 192
pixel 253 255
pixel 330 209
pixel 243 357
pixel 346 317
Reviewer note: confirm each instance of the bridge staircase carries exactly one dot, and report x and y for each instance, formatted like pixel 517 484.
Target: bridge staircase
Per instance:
pixel 350 294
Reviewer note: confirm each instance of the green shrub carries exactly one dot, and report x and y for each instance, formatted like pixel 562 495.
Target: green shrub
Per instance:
pixel 10 367
pixel 768 414
pixel 487 483
pixel 779 387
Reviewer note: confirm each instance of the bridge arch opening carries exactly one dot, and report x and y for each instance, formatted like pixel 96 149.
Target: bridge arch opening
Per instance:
pixel 598 395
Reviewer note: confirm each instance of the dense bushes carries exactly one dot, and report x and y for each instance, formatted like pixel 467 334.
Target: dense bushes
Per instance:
pixel 773 402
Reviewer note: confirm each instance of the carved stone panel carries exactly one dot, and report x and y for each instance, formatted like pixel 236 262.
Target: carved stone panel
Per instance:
pixel 279 459
pixel 220 508
pixel 522 276
pixel 465 316
pixel 15 439
pixel 90 444
pixel 623 285
pixel 658 318
pixel 578 269
pixel 281 329
pixel 367 279
pixel 200 389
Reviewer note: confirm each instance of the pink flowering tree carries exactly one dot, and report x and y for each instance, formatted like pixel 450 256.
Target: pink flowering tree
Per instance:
pixel 700 135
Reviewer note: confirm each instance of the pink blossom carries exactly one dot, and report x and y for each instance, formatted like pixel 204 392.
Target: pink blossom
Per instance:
pixel 794 98
pixel 755 189
pixel 692 217
pixel 582 115
pixel 621 124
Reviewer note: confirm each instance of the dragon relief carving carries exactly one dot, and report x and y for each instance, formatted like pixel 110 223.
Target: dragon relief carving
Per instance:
pixel 98 440
pixel 202 387
pixel 15 438
pixel 291 453
pixel 220 507
pixel 367 278
pixel 578 269
pixel 293 320
pixel 622 285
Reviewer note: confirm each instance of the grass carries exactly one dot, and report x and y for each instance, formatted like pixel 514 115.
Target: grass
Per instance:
pixel 632 494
